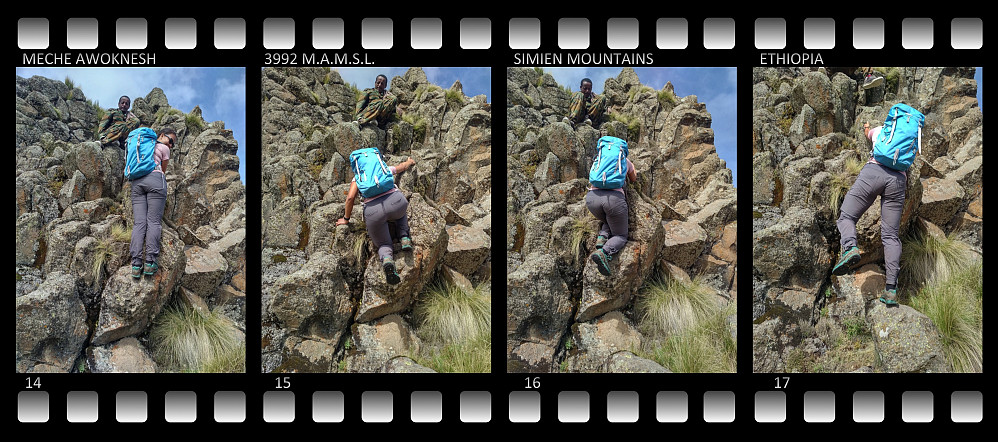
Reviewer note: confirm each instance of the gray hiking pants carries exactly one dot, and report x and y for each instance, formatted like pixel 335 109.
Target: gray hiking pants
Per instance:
pixel 610 207
pixel 378 214
pixel 890 185
pixel 148 201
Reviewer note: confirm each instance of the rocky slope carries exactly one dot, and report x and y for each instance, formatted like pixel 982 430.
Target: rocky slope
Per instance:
pixel 78 309
pixel 808 144
pixel 682 221
pixel 326 306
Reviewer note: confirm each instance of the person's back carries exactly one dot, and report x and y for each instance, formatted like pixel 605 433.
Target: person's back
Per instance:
pixel 889 182
pixel 607 201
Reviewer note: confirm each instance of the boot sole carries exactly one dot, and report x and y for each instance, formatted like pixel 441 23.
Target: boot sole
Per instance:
pixel 599 265
pixel 390 274
pixel 876 82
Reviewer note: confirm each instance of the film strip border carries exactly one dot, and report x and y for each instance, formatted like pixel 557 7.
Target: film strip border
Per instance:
pixel 871 34
pixel 524 33
pixel 476 407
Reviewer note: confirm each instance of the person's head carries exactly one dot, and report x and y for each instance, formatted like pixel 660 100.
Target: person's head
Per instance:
pixel 124 103
pixel 381 82
pixel 168 136
pixel 586 86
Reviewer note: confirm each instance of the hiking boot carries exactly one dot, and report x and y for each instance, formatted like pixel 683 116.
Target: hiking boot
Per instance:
pixel 390 274
pixel 136 272
pixel 406 243
pixel 846 261
pixel 602 261
pixel 588 122
pixel 889 297
pixel 872 82
pixel 150 268
pixel 600 240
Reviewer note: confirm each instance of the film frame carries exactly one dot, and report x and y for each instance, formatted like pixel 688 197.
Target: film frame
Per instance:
pixel 744 385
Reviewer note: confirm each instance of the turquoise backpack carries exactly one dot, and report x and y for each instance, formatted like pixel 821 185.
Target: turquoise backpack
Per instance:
pixel 900 139
pixel 609 170
pixel 139 148
pixel 373 177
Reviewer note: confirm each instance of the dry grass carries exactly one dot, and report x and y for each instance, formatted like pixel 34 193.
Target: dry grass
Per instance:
pixel 187 340
pixel 954 304
pixel 449 314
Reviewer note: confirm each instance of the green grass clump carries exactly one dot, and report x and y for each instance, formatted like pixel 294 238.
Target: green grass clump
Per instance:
pixel 707 347
pixel 474 356
pixel 633 125
pixel 120 233
pixel 539 70
pixel 186 340
pixel 231 361
pixel 954 304
pixel 454 98
pixel 419 126
pixel 103 253
pixel 669 306
pixel 193 122
pixel 666 98
pixel 71 85
pixel 582 230
pixel 450 314
pixel 926 257
pixel 697 337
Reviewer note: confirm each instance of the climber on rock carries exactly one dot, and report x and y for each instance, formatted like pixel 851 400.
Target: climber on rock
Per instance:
pixel 148 201
pixel 383 203
pixel 118 123
pixel 895 145
pixel 376 105
pixel 586 107
pixel 606 200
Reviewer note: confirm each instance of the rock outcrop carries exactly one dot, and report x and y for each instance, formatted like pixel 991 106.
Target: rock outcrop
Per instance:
pixel 808 147
pixel 562 314
pixel 78 307
pixel 326 304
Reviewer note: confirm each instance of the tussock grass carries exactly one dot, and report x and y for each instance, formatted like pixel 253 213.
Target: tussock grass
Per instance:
pixel 454 98
pixel 666 98
pixel 419 126
pixel 669 306
pixel 187 340
pixel 925 258
pixel 474 356
pixel 447 313
pixel 103 253
pixel 697 336
pixel 706 347
pixel 954 304
pixel 582 230
pixel 121 233
pixel 231 361
pixel 193 122
pixel 71 85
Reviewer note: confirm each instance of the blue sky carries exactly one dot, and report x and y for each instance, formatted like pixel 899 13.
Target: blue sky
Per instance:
pixel 979 76
pixel 714 86
pixel 474 81
pixel 221 92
